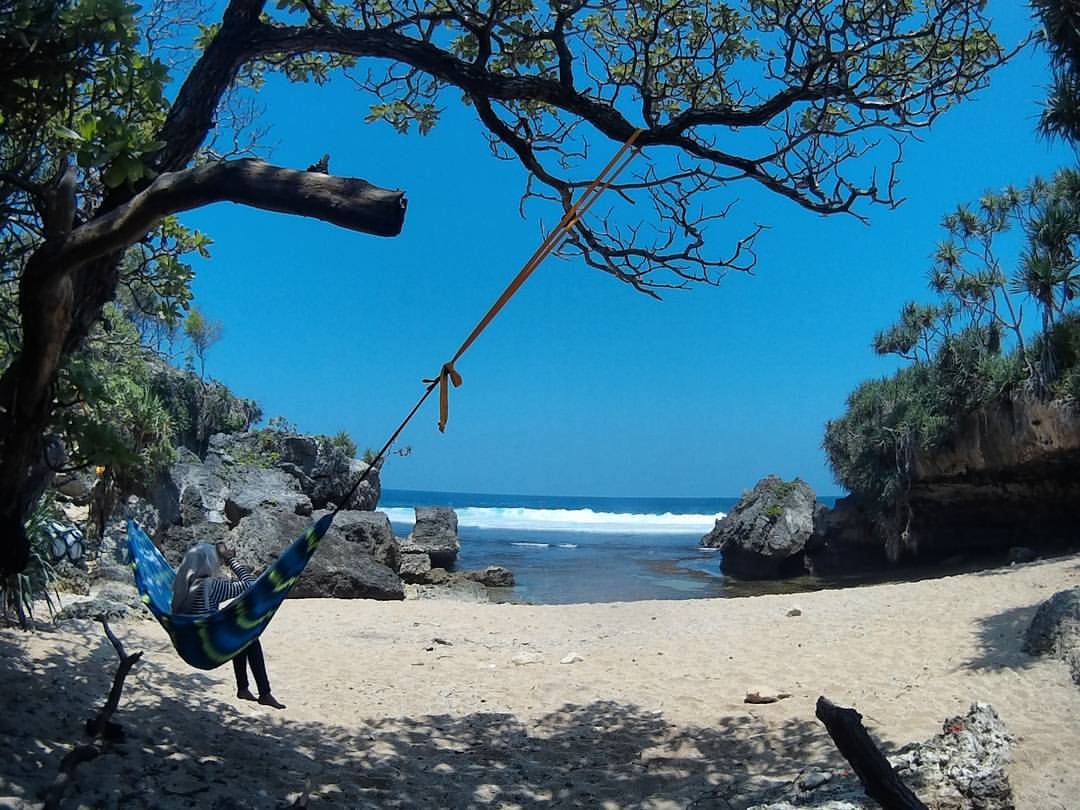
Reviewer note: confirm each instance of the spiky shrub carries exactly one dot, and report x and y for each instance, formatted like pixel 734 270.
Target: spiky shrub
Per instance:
pixel 344 442
pixel 19 591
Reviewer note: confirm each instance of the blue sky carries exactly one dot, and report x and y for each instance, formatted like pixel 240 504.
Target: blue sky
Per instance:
pixel 582 385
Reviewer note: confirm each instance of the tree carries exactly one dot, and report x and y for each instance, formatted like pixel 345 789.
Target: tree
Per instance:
pixel 202 333
pixel 1061 33
pixel 809 88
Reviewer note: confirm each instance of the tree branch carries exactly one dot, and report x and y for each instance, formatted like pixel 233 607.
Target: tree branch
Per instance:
pixel 100 725
pixel 347 202
pixel 191 115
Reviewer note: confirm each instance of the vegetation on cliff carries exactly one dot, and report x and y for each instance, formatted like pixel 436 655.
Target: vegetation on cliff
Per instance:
pixel 991 335
pixel 971 348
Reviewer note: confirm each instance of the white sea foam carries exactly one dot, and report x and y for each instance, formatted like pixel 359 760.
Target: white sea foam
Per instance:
pixel 570 520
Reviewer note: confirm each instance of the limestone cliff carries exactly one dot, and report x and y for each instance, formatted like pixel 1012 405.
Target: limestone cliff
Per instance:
pixel 1009 476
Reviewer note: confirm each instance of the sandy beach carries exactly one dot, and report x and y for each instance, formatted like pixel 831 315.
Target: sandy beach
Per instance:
pixel 440 704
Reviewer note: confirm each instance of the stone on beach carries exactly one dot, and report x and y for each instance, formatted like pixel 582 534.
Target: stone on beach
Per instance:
pixel 415 567
pixel 1055 630
pixel 763 694
pixel 962 767
pixel 526 657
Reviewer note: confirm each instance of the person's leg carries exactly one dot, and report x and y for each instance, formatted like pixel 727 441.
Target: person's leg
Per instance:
pixel 262 680
pixel 243 690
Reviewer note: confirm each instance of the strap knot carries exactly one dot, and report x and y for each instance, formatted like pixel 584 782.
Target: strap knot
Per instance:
pixel 447 374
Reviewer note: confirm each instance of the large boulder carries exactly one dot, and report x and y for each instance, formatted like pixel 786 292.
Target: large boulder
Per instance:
pixel 339 569
pixel 415 568
pixel 176 540
pixel 1055 630
pixel 257 488
pixel 191 491
pixel 326 473
pixel 371 533
pixel 846 539
pixel 435 533
pixel 765 534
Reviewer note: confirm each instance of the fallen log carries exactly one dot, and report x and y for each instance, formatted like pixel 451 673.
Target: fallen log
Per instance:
pixel 874 771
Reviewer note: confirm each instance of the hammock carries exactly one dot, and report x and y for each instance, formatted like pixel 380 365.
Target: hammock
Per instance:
pixel 208 641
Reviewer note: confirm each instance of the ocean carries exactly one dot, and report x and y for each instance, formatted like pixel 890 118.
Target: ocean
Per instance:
pixel 570 549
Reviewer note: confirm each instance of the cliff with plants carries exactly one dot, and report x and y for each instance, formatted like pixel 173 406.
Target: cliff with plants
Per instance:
pixel 976 443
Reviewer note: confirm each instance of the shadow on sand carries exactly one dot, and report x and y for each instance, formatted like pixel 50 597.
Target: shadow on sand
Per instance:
pixel 1001 640
pixel 202 752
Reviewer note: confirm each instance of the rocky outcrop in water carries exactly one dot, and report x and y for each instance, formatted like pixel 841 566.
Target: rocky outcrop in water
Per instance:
pixel 493 576
pixel 434 533
pixel 765 535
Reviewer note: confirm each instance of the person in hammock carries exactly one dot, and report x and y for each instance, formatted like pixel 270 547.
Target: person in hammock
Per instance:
pixel 197 590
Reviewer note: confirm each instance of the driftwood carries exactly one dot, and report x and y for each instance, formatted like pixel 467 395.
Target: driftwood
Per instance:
pixel 100 726
pixel 874 771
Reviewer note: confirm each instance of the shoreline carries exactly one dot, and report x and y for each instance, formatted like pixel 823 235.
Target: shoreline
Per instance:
pixel 421 704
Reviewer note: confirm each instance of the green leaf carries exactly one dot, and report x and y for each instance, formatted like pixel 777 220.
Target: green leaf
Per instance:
pixel 115 174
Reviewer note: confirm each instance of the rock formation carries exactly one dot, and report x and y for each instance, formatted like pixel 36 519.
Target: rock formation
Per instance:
pixel 342 568
pixel 1055 630
pixel 764 536
pixel 1008 476
pixel 434 533
pixel 257 491
pixel 493 576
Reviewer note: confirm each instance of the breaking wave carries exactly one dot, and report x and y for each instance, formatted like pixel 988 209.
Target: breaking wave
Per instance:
pixel 569 520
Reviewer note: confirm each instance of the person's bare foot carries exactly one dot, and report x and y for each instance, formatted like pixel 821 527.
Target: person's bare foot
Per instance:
pixel 271 701
pixel 245 694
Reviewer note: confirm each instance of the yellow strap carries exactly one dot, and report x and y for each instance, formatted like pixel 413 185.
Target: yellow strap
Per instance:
pixel 448 374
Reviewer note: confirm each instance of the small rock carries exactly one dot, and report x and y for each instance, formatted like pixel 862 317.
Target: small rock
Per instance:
pixel 571 658
pixel 813 779
pixel 523 658
pixel 794 612
pixel 763 695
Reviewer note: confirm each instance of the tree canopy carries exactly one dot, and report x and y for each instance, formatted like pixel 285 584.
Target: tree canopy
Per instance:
pixel 809 100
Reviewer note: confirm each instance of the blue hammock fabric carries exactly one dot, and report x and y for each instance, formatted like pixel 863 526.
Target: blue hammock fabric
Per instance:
pixel 208 641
